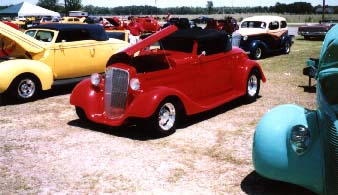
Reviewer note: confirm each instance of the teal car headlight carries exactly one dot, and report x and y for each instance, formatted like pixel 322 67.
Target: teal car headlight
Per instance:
pixel 300 139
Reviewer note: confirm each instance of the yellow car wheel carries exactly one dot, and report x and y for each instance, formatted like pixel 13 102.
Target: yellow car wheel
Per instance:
pixel 25 88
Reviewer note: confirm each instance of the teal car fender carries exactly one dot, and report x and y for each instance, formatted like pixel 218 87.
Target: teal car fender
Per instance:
pixel 277 156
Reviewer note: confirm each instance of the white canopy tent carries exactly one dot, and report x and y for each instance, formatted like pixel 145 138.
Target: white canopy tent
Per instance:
pixel 27 9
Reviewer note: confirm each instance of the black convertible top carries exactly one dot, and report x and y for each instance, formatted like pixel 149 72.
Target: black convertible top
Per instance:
pixel 92 31
pixel 209 40
pixel 199 34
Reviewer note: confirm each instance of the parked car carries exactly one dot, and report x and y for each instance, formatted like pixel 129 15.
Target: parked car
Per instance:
pixel 300 146
pixel 192 70
pixel 259 35
pixel 72 20
pixel 148 23
pixel 181 23
pixel 201 20
pixel 118 34
pixel 52 54
pixel 316 30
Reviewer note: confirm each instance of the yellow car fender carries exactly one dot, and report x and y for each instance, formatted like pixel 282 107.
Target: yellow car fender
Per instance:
pixel 10 69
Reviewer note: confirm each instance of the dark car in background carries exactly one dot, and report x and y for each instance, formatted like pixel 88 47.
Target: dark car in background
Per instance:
pixel 316 30
pixel 201 20
pixel 260 35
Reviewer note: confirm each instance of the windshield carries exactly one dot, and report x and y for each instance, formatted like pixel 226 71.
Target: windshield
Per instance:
pixel 41 35
pixel 253 24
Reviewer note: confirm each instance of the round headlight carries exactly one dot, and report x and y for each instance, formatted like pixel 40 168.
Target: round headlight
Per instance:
pixel 95 79
pixel 300 139
pixel 135 84
pixel 245 38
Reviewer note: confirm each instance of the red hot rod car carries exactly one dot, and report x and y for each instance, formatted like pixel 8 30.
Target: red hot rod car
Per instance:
pixel 170 74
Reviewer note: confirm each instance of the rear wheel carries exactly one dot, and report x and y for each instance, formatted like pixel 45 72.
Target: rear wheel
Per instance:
pixel 25 88
pixel 253 86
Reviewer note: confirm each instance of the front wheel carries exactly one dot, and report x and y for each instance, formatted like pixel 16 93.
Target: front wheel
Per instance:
pixel 253 86
pixel 25 88
pixel 165 119
pixel 286 47
pixel 81 114
pixel 256 53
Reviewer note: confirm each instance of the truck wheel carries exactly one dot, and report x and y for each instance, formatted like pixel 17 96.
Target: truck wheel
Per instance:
pixel 253 86
pixel 256 53
pixel 165 119
pixel 25 88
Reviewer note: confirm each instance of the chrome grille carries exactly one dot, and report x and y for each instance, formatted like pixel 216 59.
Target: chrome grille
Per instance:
pixel 330 142
pixel 116 92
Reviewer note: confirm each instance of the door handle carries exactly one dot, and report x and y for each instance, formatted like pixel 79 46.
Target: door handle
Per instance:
pixel 92 51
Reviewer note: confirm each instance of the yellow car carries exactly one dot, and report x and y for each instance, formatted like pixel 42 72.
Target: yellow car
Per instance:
pixel 72 20
pixel 52 54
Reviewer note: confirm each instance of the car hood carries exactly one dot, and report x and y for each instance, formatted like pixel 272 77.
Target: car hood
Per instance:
pixel 27 42
pixel 251 31
pixel 329 55
pixel 150 40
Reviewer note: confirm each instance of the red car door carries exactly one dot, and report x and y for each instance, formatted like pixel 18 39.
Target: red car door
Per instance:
pixel 216 74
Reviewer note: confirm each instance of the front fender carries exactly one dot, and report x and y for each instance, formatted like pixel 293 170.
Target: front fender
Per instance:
pixel 10 69
pixel 145 104
pixel 85 96
pixel 257 43
pixel 273 156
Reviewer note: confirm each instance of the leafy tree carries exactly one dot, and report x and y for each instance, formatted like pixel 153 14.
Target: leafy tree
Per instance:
pixel 48 4
pixel 72 5
pixel 210 5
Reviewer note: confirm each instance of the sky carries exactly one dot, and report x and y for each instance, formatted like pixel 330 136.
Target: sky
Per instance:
pixel 179 3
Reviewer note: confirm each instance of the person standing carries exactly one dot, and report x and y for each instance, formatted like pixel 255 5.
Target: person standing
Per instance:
pixel 135 30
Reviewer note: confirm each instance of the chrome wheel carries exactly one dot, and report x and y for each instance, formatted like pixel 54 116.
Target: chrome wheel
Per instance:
pixel 287 47
pixel 26 88
pixel 252 85
pixel 167 116
pixel 258 53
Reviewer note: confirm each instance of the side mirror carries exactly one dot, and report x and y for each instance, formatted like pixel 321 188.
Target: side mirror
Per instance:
pixel 62 42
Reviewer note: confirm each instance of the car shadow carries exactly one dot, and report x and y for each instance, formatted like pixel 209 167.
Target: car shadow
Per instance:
pixel 196 118
pixel 54 91
pixel 140 133
pixel 131 132
pixel 254 184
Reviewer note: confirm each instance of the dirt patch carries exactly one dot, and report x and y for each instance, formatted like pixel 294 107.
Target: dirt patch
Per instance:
pixel 45 149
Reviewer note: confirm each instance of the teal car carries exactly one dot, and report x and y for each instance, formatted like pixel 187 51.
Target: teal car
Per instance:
pixel 300 146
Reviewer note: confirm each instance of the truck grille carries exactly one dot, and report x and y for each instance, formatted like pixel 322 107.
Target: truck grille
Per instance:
pixel 116 92
pixel 330 142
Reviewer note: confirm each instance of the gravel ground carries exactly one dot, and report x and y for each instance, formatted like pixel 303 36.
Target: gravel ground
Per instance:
pixel 45 149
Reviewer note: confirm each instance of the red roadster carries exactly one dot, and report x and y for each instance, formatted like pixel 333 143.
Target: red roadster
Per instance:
pixel 169 75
